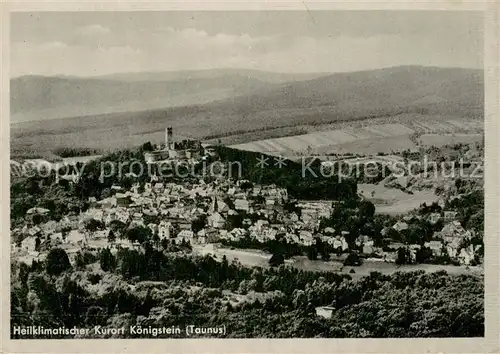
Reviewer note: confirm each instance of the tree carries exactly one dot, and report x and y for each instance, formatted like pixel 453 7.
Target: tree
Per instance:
pixel 147 147
pixel 111 236
pixel 229 202
pixel 234 221
pixel 84 258
pixel 352 259
pixel 325 255
pixel 199 223
pixel 156 240
pixel 94 316
pixel 139 234
pixel 93 225
pixel 185 244
pixel 57 261
pixel 476 222
pixel 394 234
pixel 129 263
pixel 276 259
pixel 165 243
pixel 117 227
pixel 418 233
pixel 351 238
pixel 312 253
pixel 106 260
pixel 65 231
pixel 423 254
pixel 246 185
pixel 366 210
pixel 403 256
pixel 37 219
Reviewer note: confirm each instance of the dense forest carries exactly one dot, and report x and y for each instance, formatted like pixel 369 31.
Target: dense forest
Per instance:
pixel 72 152
pixel 151 288
pixel 302 180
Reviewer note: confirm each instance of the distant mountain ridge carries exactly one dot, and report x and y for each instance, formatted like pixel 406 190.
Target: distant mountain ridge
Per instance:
pixel 36 97
pixel 460 90
pixel 41 98
pixel 250 106
pixel 241 103
pixel 341 97
pixel 266 76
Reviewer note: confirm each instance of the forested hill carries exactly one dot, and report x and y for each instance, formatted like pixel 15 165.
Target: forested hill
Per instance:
pixel 160 289
pixel 302 179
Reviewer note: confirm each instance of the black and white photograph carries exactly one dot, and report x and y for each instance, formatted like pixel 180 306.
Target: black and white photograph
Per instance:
pixel 247 174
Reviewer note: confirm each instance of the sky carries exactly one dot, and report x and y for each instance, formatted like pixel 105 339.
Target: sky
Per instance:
pixel 100 43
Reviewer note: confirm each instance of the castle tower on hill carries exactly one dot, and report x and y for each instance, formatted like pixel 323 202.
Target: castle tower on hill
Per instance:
pixel 169 139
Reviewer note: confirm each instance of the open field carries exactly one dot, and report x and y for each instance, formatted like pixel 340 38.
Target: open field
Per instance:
pixel 316 141
pixel 370 146
pixel 449 139
pixel 257 258
pixel 390 134
pixel 394 201
pixel 369 266
pixel 251 258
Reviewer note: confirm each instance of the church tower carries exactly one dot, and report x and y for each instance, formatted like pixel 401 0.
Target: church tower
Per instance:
pixel 214 207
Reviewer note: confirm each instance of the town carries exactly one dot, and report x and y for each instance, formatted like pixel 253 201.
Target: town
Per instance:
pixel 232 213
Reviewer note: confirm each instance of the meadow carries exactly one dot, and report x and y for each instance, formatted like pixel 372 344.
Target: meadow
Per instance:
pixel 256 258
pixel 393 201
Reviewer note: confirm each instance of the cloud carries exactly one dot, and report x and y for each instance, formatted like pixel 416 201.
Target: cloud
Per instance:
pixel 92 30
pixel 50 59
pixel 192 37
pixel 96 50
pixel 33 47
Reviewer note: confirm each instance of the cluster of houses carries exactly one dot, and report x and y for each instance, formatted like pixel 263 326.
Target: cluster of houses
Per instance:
pixel 169 210
pixel 449 240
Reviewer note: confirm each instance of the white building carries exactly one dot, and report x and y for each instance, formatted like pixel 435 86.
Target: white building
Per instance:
pixel 184 235
pixel 109 218
pixel 216 220
pixel 435 247
pixel 400 226
pixel 164 230
pixel 325 311
pixel 122 215
pixel 28 244
pixel 241 204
